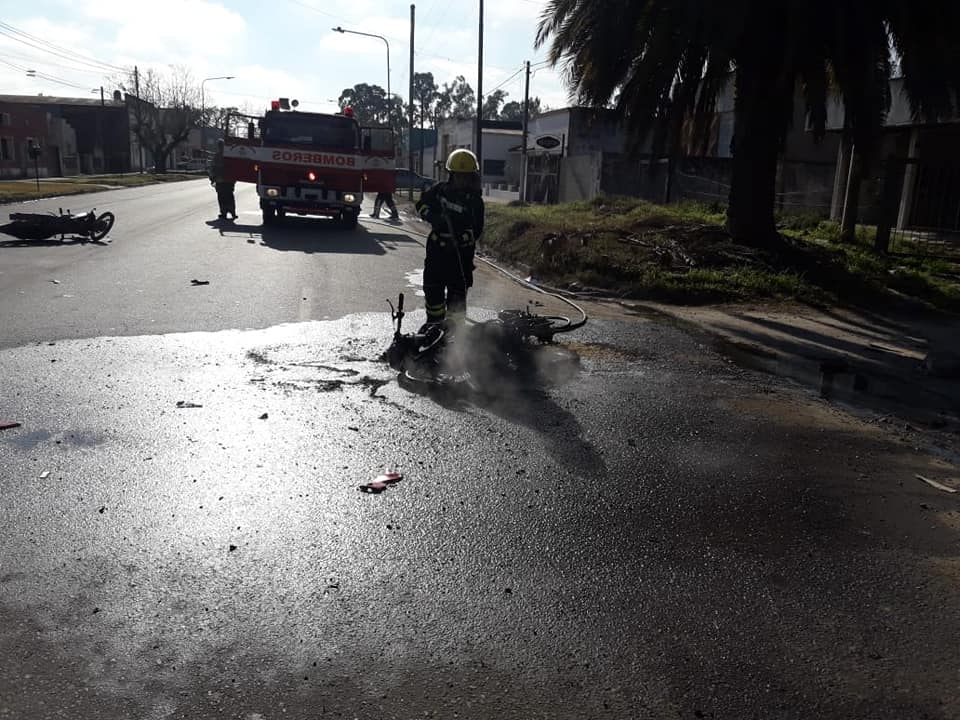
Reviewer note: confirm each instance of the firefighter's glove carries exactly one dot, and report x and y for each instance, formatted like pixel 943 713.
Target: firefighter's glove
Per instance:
pixel 467 238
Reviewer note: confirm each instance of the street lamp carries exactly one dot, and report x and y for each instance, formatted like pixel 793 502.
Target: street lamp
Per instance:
pixel 203 121
pixel 389 94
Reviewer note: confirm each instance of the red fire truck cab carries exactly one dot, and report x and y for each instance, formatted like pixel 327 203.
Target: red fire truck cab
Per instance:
pixel 309 163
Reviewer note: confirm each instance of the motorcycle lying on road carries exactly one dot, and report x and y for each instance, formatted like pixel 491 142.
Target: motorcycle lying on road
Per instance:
pixel 40 226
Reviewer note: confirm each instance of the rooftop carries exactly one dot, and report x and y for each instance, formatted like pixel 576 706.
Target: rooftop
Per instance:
pixel 54 100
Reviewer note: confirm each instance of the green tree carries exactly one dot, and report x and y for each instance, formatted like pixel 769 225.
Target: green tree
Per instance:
pixel 425 94
pixel 457 100
pixel 371 105
pixel 492 103
pixel 670 59
pixel 513 110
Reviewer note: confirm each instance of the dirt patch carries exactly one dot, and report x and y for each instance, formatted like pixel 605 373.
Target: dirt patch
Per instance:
pixel 682 254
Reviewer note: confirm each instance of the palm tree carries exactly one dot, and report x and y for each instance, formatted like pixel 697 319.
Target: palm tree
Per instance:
pixel 667 60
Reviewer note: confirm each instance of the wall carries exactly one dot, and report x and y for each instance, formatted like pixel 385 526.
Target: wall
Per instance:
pixel 22 123
pixel 556 122
pixel 496 148
pixel 63 144
pixel 580 177
pixel 593 130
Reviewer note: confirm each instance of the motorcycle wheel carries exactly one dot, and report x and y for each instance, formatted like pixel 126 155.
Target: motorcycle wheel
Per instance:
pixel 102 226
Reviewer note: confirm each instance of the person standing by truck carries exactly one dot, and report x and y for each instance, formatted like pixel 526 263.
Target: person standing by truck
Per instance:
pixel 385 198
pixel 224 187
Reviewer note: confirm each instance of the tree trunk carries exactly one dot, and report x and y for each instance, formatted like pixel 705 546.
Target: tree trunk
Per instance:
pixel 759 117
pixel 851 199
pixel 160 153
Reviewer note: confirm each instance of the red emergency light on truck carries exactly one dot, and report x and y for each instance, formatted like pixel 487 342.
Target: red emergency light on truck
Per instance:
pixel 309 163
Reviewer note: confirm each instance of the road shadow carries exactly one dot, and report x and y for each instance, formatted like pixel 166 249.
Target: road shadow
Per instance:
pixel 870 372
pixel 518 391
pixel 52 242
pixel 313 235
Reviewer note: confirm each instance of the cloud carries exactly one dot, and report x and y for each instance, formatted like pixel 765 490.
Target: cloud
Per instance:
pixel 159 31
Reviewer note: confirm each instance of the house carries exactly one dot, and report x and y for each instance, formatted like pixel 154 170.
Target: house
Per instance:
pixel 913 182
pixel 567 151
pixel 20 127
pixel 499 137
pixel 76 135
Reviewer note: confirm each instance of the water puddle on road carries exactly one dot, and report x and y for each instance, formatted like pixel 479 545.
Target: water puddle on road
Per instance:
pixel 414 279
pixel 34 438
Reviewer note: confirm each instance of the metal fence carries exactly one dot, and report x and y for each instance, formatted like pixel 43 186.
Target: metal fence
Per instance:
pixel 802 186
pixel 919 208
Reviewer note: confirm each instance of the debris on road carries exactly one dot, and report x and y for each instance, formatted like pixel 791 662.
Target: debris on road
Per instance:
pixel 264 416
pixel 381 482
pixel 196 282
pixel 185 404
pixel 55 282
pixel 9 425
pixel 232 548
pixel 935 484
pixel 45 474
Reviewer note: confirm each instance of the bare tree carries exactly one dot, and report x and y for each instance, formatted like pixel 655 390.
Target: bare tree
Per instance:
pixel 168 109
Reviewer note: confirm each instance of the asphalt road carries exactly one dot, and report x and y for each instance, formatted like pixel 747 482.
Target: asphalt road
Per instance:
pixel 165 236
pixel 645 531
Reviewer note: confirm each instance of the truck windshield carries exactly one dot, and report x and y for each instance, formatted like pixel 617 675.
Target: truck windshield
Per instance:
pixel 323 131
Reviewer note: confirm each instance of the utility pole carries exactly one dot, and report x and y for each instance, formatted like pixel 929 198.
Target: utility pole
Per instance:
pixel 479 143
pixel 136 85
pixel 103 150
pixel 526 132
pixel 413 10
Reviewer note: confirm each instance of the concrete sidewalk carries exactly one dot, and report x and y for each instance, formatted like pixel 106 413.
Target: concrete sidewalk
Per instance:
pixel 859 358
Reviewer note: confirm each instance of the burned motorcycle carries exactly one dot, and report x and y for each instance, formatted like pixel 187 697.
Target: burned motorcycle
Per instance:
pixel 481 354
pixel 40 226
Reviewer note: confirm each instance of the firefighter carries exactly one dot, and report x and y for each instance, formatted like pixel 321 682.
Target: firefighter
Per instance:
pixel 454 210
pixel 385 198
pixel 224 187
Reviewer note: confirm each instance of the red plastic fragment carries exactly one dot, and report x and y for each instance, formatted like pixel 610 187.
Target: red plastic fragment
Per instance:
pixel 381 482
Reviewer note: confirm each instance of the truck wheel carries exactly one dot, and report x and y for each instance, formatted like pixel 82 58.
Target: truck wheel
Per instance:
pixel 269 215
pixel 349 220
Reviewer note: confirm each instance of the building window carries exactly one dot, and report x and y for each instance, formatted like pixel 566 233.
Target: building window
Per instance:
pixel 495 167
pixel 5 119
pixel 6 148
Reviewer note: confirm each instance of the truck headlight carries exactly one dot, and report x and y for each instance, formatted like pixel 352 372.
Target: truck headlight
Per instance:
pixel 349 197
pixel 272 192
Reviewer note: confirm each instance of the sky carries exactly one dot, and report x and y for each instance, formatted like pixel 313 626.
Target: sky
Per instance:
pixel 279 48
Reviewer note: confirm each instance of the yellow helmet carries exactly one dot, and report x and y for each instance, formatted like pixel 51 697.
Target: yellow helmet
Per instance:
pixel 462 161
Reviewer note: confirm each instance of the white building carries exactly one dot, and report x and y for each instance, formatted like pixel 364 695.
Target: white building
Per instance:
pixel 499 138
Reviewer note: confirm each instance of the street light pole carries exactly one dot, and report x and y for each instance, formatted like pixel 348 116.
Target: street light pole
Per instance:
pixel 413 18
pixel 387 43
pixel 203 120
pixel 479 141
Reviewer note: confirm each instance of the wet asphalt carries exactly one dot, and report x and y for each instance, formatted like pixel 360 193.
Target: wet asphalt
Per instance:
pixel 643 530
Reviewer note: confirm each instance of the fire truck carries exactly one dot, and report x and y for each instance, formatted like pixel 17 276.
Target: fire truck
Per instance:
pixel 307 163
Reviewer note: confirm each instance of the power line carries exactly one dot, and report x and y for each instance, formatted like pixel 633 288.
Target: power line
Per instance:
pixel 491 92
pixel 33 60
pixel 42 76
pixel 57 49
pixel 102 68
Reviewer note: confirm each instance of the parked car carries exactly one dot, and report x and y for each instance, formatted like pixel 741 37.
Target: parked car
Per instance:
pixel 406 179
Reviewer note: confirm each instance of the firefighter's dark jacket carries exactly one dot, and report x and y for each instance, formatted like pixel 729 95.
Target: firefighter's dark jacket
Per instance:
pixel 463 208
